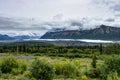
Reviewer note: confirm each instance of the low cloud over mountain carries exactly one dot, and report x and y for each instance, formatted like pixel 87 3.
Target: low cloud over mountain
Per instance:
pixel 18 26
pixel 18 17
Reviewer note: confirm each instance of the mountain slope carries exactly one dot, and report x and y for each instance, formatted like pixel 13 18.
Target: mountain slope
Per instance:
pixel 103 32
pixel 21 37
pixel 5 37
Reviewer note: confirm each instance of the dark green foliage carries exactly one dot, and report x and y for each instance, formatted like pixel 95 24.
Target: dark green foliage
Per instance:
pixel 8 64
pixel 103 72
pixel 26 43
pixel 101 48
pixel 112 49
pixel 23 78
pixel 72 55
pixel 94 61
pixel 42 70
pixel 5 76
pixel 87 51
pixel 113 64
pixel 48 50
pixel 0 72
pixel 93 73
pixel 110 66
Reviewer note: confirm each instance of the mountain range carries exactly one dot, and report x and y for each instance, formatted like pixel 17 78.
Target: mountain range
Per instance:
pixel 18 38
pixel 102 32
pixel 5 37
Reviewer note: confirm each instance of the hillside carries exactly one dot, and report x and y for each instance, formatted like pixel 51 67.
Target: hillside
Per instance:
pixel 103 32
pixel 18 38
pixel 5 37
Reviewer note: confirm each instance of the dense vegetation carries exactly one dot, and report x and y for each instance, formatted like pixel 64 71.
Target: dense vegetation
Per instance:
pixel 60 62
pixel 41 47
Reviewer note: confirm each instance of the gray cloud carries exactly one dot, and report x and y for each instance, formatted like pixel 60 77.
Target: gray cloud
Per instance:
pixel 26 16
pixel 21 25
pixel 111 4
pixel 116 7
pixel 11 24
pixel 110 20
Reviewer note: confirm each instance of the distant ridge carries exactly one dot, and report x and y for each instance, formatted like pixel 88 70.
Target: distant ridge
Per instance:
pixel 18 38
pixel 103 32
pixel 5 37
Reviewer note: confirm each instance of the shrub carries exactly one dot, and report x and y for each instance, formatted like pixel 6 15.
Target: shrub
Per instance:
pixel 94 61
pixel 5 76
pixel 0 72
pixel 113 64
pixel 23 78
pixel 93 73
pixel 8 64
pixel 15 71
pixel 22 66
pixel 33 78
pixel 58 68
pixel 67 69
pixel 103 72
pixel 107 71
pixel 42 70
pixel 27 74
pixel 84 77
pixel 113 76
pixel 112 49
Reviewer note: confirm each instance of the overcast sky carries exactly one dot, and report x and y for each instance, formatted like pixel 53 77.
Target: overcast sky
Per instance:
pixel 39 16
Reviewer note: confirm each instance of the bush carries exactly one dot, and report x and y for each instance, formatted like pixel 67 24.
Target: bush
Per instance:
pixel 8 64
pixel 0 72
pixel 103 72
pixel 113 64
pixel 93 73
pixel 109 68
pixel 113 76
pixel 22 66
pixel 67 69
pixel 5 76
pixel 42 70
pixel 84 77
pixel 27 74
pixel 23 78
pixel 94 61
pixel 15 71
pixel 112 49
pixel 33 78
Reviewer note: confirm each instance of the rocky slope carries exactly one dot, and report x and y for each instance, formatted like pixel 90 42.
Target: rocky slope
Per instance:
pixel 103 32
